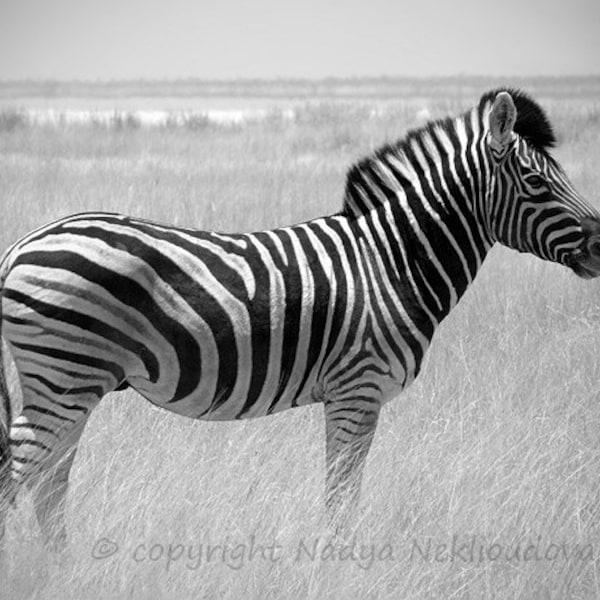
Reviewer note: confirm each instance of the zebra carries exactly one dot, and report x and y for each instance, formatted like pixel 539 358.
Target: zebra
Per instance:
pixel 339 310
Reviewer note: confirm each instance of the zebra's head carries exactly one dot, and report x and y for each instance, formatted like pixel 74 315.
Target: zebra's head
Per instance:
pixel 532 205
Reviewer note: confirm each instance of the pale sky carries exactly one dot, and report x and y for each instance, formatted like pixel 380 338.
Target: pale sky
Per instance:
pixel 118 39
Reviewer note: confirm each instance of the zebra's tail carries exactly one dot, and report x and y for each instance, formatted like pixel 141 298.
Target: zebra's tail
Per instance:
pixel 6 413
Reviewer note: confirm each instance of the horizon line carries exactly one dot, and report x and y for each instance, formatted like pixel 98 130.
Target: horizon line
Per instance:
pixel 289 79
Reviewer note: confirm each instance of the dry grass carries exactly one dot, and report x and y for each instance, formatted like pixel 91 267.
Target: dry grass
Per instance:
pixel 496 445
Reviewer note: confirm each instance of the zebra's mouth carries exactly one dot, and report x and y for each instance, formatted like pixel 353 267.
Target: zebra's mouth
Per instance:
pixel 582 270
pixel 585 262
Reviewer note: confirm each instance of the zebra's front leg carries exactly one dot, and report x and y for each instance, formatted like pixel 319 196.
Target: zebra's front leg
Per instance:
pixel 350 428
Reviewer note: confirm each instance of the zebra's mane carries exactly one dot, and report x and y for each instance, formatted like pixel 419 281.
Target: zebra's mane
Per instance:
pixel 532 124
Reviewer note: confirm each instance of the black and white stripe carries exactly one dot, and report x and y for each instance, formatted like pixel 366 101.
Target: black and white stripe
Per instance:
pixel 339 310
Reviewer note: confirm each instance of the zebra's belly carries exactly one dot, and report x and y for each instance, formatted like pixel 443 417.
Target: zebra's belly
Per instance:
pixel 238 404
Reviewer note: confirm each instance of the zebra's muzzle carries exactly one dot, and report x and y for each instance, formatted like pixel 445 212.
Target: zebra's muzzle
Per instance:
pixel 583 269
pixel 585 261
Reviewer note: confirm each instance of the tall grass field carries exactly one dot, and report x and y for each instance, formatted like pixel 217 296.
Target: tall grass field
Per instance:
pixel 484 476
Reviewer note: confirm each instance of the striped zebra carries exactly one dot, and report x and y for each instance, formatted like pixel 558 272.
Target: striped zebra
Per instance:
pixel 339 310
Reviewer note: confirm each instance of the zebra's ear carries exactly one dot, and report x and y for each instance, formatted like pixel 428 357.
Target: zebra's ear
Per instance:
pixel 502 120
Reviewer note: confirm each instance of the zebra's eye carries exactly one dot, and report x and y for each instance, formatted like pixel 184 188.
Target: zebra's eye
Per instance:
pixel 536 182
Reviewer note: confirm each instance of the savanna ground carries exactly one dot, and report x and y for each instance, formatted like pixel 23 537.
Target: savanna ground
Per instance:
pixel 483 480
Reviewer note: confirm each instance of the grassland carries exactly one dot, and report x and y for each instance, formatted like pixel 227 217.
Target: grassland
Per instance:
pixel 483 480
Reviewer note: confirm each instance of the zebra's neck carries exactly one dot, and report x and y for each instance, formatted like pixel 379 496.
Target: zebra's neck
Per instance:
pixel 420 207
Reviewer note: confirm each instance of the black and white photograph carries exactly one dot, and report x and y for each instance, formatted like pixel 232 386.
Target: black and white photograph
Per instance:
pixel 299 300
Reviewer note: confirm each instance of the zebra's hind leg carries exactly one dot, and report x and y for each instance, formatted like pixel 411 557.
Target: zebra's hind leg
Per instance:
pixel 49 490
pixel 43 441
pixel 350 428
pixel 7 490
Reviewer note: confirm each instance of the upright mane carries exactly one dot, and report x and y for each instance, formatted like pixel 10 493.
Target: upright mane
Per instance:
pixel 532 125
pixel 369 167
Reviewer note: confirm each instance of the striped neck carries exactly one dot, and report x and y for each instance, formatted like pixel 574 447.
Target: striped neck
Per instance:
pixel 423 199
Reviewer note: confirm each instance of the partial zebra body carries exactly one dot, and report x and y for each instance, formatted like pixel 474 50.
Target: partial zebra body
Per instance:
pixel 338 310
pixel 272 319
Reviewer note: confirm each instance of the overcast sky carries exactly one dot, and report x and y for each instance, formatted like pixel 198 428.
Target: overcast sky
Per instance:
pixel 116 39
